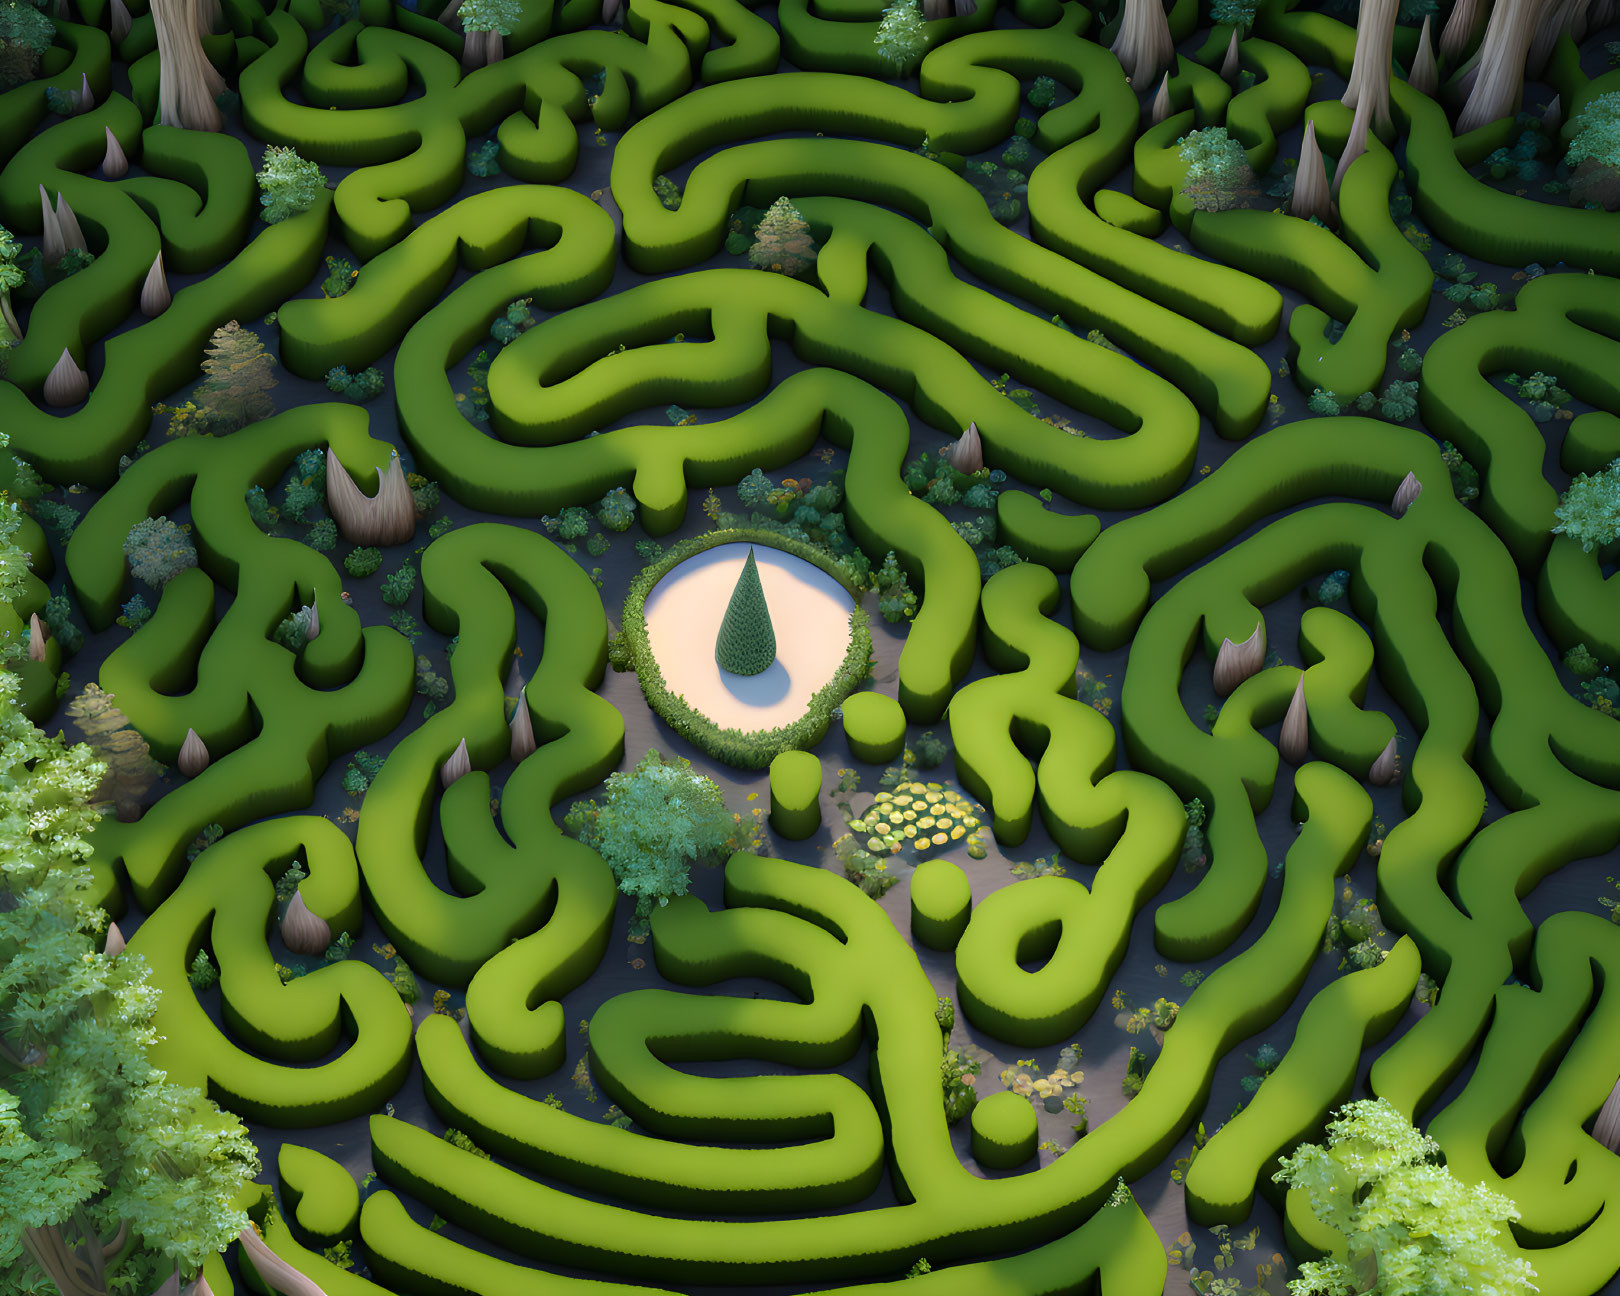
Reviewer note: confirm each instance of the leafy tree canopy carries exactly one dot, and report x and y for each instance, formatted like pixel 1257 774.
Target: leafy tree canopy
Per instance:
pixel 1408 1223
pixel 657 821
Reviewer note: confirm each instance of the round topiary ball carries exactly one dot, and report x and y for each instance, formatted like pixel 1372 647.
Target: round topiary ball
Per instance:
pixel 796 794
pixel 875 726
pixel 1004 1131
pixel 941 903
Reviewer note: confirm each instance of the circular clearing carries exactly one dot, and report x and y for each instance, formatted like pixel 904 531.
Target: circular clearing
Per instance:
pixel 810 614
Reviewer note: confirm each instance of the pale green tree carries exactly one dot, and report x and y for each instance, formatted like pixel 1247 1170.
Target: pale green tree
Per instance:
pixel 102 1161
pixel 1410 1226
pixel 901 37
pixel 657 821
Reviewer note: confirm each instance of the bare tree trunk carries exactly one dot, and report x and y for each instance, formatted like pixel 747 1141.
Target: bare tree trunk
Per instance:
pixel 1311 196
pixel 209 16
pixel 1460 29
pixel 187 81
pixel 1499 82
pixel 1369 74
pixel 1425 74
pixel 1355 145
pixel 10 316
pixel 494 47
pixel 1143 45
pixel 473 44
pixel 1562 16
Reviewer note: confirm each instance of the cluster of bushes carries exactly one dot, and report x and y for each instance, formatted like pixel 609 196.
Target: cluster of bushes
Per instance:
pixel 1598 690
pixel 288 184
pixel 1460 287
pixel 1589 511
pixel 1397 402
pixel 1593 155
pixel 366 385
pixel 237 381
pixel 752 750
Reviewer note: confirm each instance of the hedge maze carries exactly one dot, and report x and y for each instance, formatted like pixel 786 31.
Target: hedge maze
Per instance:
pixel 1201 549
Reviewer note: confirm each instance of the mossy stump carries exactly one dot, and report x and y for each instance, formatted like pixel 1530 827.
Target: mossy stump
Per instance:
pixel 746 644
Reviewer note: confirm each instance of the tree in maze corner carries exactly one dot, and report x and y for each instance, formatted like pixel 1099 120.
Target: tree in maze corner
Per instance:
pixel 110 1176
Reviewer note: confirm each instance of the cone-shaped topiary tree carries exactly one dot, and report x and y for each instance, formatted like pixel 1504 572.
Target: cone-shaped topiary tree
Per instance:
pixel 747 644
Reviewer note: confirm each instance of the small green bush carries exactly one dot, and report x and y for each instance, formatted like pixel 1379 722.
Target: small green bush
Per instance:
pixel 362 561
pixel 1589 511
pixel 158 551
pixel 288 184
pixel 398 586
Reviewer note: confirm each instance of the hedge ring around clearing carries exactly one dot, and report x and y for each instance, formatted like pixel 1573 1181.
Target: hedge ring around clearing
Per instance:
pixel 735 747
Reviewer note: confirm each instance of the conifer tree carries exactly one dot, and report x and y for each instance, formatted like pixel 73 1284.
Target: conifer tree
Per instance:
pixel 236 391
pixel 131 771
pixel 747 643
pixel 901 38
pixel 782 242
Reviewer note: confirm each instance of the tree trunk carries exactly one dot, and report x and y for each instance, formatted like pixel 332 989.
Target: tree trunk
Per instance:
pixel 76 1271
pixel 1369 74
pixel 1460 29
pixel 473 44
pixel 1499 82
pixel 1143 44
pixel 187 81
pixel 10 316
pixel 1562 16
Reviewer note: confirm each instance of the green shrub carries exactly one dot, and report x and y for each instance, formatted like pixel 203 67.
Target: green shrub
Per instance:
pixel 264 514
pixel 57 614
pixel 484 159
pixel 288 184
pixel 1042 92
pixel 136 614
pixel 1589 511
pixel 158 551
pixel 929 751
pixel 902 37
pixel 362 561
pixel 1218 171
pixel 616 510
pixel 363 386
pixel 322 536
pixel 1581 663
pixel 1323 402
pixel 398 586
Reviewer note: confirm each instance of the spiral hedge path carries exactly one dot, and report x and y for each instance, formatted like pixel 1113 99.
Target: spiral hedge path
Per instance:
pixel 1168 511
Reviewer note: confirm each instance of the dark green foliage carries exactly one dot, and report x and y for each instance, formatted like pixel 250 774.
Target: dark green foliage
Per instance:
pixel 571 524
pixel 484 159
pixel 340 277
pixel 398 586
pixel 322 536
pixel 1399 401
pixel 1025 127
pixel 929 751
pixel 57 614
pixel 264 514
pixel 363 386
pixel 297 498
pixel 746 644
pixel 1194 847
pixel 363 768
pixel 1464 476
pixel 61 520
pixel 136 614
pixel 1323 402
pixel 896 602
pixel 669 193
pixel 1333 587
pixel 1581 663
pixel 1017 153
pixel 597 545
pixel 292 632
pixel 429 684
pixel 25 34
pixel 362 561
pixel 1239 13
pixel 616 510
pixel 1042 93
pixel 203 972
pixel 516 319
pixel 424 494
pixel 1410 360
